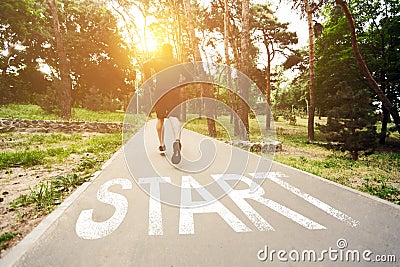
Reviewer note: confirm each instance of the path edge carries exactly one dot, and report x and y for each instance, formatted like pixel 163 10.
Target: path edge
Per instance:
pixel 16 252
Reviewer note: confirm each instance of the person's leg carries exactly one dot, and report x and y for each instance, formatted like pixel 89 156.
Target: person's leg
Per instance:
pixel 160 133
pixel 160 130
pixel 176 125
pixel 173 115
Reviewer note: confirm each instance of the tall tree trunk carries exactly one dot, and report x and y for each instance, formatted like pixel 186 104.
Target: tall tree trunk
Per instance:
pixel 374 85
pixel 207 90
pixel 311 110
pixel 245 60
pixel 268 93
pixel 385 120
pixel 232 96
pixel 65 90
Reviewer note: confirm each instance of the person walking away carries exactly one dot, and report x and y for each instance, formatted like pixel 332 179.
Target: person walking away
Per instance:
pixel 168 96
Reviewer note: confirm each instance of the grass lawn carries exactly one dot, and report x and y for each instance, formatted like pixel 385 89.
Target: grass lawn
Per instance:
pixel 34 112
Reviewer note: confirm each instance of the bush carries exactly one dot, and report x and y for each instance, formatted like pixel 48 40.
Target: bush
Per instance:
pixel 49 101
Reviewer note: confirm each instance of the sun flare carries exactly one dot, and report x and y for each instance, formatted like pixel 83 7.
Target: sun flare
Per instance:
pixel 150 43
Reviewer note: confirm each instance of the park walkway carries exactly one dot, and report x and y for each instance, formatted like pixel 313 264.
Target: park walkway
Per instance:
pixel 141 210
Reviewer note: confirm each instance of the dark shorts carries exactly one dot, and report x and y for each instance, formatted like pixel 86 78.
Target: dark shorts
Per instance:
pixel 168 105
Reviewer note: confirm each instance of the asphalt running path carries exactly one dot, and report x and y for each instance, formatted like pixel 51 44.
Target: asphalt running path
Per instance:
pixel 113 221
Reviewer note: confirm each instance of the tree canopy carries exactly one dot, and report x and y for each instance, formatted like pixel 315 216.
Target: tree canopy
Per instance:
pixel 106 42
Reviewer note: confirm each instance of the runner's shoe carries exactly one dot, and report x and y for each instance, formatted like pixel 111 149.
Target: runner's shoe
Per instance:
pixel 162 150
pixel 176 157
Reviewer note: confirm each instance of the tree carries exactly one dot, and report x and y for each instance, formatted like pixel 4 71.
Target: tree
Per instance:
pixel 372 82
pixel 276 39
pixel 100 58
pixel 379 40
pixel 65 88
pixel 232 96
pixel 227 13
pixel 244 67
pixel 346 98
pixel 309 8
pixel 351 121
pixel 207 90
pixel 311 109
pixel 21 36
pixel 93 49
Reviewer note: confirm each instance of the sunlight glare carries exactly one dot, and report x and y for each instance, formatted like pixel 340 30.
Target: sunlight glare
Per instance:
pixel 44 68
pixel 151 43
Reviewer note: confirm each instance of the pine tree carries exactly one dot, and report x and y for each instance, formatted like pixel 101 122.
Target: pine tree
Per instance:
pixel 351 120
pixel 344 94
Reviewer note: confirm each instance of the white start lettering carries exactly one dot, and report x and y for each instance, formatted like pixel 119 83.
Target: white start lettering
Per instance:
pixel 87 228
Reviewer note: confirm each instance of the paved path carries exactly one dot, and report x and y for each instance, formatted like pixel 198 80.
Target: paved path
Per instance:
pixel 113 221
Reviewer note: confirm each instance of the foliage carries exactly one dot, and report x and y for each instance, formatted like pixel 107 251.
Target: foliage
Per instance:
pixel 274 35
pixel 344 96
pixel 295 94
pixel 49 100
pixel 276 39
pixel 98 54
pixel 21 36
pixel 95 100
pixel 379 34
pixel 96 50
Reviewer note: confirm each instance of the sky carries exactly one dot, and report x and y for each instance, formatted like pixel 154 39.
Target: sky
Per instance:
pixel 285 14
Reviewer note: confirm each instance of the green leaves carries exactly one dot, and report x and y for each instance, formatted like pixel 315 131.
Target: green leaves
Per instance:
pixel 96 50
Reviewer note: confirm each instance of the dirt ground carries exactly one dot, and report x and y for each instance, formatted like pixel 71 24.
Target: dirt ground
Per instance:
pixel 17 181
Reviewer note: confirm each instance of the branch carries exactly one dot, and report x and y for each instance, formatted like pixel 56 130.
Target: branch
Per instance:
pixel 315 7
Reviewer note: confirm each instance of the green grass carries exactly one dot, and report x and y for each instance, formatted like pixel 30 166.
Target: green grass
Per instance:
pixel 200 126
pixel 27 158
pixel 27 150
pixel 47 194
pixel 34 112
pixel 4 238
pixel 381 190
pixel 81 114
pixel 47 149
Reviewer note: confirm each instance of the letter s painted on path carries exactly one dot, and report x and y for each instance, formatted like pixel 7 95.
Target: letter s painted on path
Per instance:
pixel 86 228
